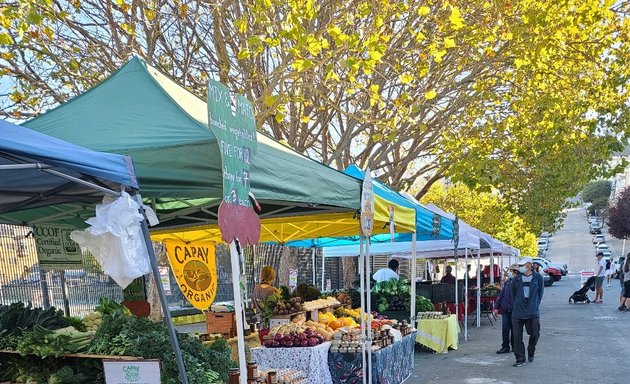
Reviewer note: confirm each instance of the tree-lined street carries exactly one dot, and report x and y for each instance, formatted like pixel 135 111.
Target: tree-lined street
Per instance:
pixel 579 343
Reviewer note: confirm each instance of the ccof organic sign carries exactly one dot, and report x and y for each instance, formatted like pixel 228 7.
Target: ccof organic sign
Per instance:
pixel 195 269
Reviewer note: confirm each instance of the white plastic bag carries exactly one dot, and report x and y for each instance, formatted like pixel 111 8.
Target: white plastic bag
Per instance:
pixel 115 239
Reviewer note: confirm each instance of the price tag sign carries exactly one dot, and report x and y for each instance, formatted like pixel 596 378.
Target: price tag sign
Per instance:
pixel 367 204
pixel 132 372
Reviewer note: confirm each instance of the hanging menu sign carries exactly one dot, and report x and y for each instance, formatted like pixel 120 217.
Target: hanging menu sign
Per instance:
pixel 55 249
pixel 236 138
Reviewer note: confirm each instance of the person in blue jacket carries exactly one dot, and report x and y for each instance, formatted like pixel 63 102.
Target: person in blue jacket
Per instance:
pixel 503 303
pixel 527 292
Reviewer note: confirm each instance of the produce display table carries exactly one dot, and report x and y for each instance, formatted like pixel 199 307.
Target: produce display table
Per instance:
pixel 438 334
pixel 390 365
pixel 313 361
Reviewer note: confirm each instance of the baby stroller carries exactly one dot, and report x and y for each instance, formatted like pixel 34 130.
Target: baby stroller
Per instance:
pixel 580 295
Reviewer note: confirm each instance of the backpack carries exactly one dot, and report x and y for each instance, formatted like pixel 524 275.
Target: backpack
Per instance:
pixel 607 264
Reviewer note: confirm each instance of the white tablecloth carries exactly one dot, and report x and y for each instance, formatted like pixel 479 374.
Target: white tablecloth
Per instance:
pixel 312 361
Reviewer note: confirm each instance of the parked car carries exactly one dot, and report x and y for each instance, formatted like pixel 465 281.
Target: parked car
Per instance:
pixel 547 279
pixel 595 229
pixel 562 267
pixel 607 254
pixel 598 239
pixel 555 273
pixel 543 243
pixel 601 247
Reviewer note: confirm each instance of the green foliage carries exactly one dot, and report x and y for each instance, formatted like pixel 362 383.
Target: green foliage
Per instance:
pixel 128 335
pixel 423 304
pixel 599 203
pixel 596 190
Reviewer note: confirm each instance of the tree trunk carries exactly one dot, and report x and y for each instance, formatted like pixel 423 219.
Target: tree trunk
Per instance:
pixel 287 261
pixel 152 293
pixel 349 272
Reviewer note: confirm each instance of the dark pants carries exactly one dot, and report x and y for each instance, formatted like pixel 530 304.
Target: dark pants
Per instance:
pixel 506 330
pixel 532 326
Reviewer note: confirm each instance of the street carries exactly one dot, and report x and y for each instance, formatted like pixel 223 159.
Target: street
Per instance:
pixel 579 343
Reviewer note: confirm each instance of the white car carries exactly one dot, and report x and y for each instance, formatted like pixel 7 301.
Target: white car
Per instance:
pixel 543 244
pixel 598 239
pixel 601 247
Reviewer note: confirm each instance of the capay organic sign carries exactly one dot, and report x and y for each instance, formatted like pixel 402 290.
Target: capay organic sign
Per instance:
pixel 195 268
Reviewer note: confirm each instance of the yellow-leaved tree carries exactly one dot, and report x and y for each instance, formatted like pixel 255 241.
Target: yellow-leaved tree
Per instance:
pixel 485 211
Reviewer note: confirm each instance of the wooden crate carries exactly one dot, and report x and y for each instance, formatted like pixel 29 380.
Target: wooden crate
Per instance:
pixel 221 322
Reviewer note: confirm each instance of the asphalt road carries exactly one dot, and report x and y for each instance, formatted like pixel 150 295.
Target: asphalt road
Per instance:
pixel 579 343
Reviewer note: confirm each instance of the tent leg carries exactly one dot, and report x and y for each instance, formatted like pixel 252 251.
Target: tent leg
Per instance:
pixel 323 270
pixel 362 312
pixel 158 283
pixel 238 309
pixel 314 267
pixel 491 267
pixel 368 303
pixel 414 272
pixel 466 299
pixel 479 288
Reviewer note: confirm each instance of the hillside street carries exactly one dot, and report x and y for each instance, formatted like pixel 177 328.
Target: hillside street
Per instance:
pixel 579 343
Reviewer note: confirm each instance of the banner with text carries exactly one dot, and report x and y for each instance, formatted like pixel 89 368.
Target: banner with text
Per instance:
pixel 195 268
pixel 237 141
pixel 55 249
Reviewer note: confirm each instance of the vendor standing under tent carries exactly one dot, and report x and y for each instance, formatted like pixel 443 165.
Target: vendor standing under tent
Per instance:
pixel 265 289
pixel 448 278
pixel 389 273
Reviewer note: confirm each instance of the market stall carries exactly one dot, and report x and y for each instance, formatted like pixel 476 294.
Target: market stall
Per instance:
pixel 39 173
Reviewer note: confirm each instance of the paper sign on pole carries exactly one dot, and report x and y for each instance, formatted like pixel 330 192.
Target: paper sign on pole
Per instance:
pixel 132 372
pixel 367 204
pixel 392 223
pixel 195 269
pixel 293 278
pixel 165 278
pixel 55 249
pixel 237 141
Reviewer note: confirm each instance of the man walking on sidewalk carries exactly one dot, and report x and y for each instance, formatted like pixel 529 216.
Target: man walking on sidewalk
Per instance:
pixel 503 303
pixel 527 293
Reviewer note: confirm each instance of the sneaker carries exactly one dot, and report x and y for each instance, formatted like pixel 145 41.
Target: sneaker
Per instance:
pixel 622 308
pixel 503 350
pixel 519 363
pixel 530 358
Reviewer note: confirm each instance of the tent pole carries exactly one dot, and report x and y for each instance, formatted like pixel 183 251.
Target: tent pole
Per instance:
pixel 466 298
pixel 369 308
pixel 314 266
pixel 158 284
pixel 323 269
pixel 479 287
pixel 362 312
pixel 491 267
pixel 238 309
pixel 414 272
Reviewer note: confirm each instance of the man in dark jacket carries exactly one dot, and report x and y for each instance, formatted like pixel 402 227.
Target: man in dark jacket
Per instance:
pixel 527 292
pixel 503 303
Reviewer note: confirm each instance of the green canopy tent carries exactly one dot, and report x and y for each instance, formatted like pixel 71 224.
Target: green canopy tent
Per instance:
pixel 140 112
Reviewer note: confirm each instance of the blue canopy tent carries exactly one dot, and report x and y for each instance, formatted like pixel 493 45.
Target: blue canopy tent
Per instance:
pixel 37 170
